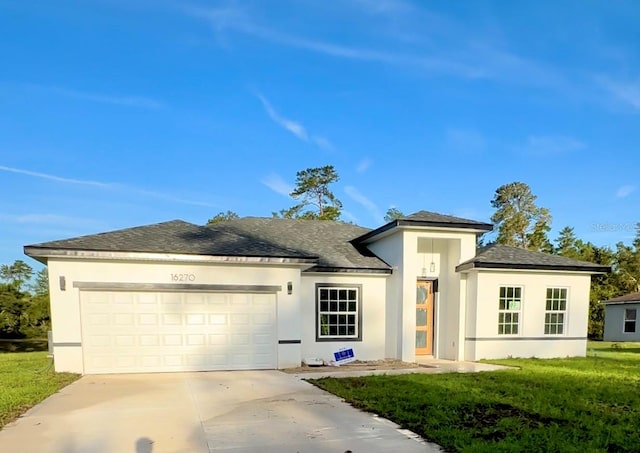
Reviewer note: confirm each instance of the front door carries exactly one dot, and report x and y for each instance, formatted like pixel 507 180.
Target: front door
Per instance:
pixel 424 318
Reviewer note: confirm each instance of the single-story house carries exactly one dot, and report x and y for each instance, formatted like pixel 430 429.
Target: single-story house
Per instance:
pixel 621 318
pixel 265 293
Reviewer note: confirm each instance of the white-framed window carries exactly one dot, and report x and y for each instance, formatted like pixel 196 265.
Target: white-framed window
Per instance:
pixel 509 309
pixel 339 315
pixel 630 317
pixel 556 311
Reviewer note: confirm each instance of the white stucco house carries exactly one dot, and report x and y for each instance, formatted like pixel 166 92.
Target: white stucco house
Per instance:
pixel 621 318
pixel 264 293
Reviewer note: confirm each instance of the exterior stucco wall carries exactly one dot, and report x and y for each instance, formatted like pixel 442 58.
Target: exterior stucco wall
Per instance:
pixel 449 249
pixel 449 301
pixel 411 252
pixel 389 249
pixel 65 305
pixel 614 322
pixel 482 339
pixel 372 344
pixel 530 348
pixel 470 315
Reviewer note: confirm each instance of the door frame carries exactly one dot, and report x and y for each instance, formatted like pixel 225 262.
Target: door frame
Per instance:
pixel 434 332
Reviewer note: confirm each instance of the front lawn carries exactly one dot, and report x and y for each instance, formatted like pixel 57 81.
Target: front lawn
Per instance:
pixel 26 378
pixel 583 404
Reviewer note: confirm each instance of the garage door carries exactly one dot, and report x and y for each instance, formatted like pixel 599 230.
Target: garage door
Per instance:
pixel 126 332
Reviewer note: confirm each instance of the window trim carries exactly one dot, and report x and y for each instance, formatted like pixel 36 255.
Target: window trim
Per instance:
pixel 625 321
pixel 564 312
pixel 358 288
pixel 519 312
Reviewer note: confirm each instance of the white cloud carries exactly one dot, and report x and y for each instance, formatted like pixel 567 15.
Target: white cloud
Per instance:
pixel 384 6
pixel 322 142
pixel 465 141
pixel 50 220
pixel 237 21
pixel 625 92
pixel 551 145
pixel 50 177
pixel 369 205
pixel 127 101
pixel 350 217
pixel 471 57
pixel 167 197
pixel 277 184
pixel 364 165
pixel 471 214
pixel 106 186
pixel 625 191
pixel 294 127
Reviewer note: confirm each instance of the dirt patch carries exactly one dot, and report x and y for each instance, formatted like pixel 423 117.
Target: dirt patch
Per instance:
pixel 358 365
pixel 484 419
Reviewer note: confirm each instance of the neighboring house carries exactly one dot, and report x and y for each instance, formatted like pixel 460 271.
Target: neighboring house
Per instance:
pixel 260 293
pixel 621 318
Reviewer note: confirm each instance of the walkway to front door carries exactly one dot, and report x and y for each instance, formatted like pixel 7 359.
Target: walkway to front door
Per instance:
pixel 424 317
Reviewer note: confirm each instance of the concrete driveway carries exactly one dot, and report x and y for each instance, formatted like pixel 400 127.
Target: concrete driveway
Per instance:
pixel 239 411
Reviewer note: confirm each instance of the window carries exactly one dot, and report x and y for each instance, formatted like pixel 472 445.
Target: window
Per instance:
pixel 338 312
pixel 630 320
pixel 555 311
pixel 509 310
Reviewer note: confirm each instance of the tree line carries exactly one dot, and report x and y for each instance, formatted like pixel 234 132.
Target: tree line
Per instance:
pixel 24 301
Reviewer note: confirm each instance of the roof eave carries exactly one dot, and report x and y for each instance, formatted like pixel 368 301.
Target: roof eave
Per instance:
pixel 400 223
pixel 346 270
pixel 478 226
pixel 43 254
pixel 620 302
pixel 370 234
pixel 536 267
pixel 633 297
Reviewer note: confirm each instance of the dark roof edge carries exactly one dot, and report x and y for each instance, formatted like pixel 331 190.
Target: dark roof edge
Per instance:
pixel 634 296
pixel 46 252
pixel 346 270
pixel 486 227
pixel 621 302
pixel 377 231
pixel 594 269
pixel 38 257
pixel 469 226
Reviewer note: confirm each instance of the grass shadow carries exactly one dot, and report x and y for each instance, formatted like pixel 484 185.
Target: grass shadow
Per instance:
pixel 620 349
pixel 23 345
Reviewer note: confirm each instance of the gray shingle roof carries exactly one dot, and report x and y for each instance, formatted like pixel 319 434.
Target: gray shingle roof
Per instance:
pixel 627 298
pixel 427 219
pixel 327 242
pixel 498 256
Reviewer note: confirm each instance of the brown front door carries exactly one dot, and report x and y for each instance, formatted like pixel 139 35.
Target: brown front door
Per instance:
pixel 424 318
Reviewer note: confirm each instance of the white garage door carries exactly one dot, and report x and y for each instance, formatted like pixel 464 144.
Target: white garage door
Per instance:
pixel 126 332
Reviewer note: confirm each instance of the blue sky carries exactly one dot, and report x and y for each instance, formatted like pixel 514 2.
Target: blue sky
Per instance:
pixel 116 113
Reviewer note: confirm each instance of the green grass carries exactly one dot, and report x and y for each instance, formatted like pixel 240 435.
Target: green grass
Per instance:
pixel 26 379
pixel 587 404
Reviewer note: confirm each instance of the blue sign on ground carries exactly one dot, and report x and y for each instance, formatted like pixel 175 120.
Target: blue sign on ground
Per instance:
pixel 344 355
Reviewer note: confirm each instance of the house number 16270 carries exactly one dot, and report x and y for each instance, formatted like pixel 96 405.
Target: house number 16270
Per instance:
pixel 183 277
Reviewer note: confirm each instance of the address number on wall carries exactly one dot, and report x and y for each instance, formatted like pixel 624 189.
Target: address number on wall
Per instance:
pixel 183 277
